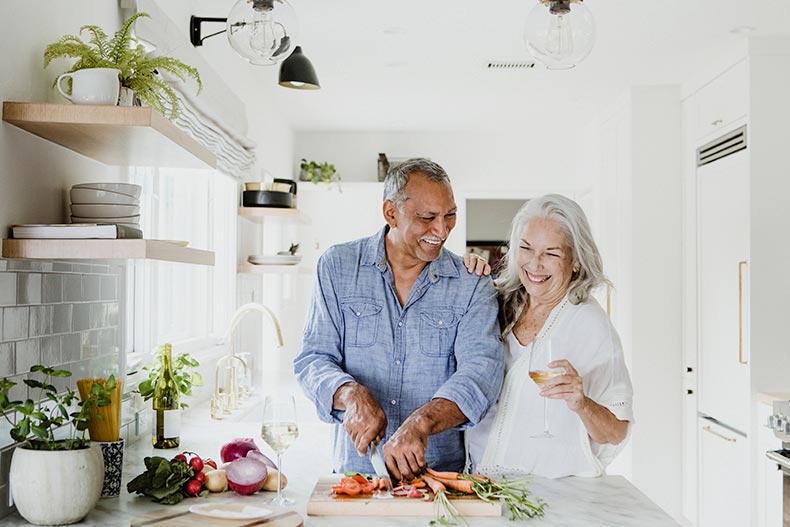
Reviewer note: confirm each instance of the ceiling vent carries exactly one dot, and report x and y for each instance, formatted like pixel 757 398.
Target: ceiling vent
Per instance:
pixel 723 146
pixel 509 65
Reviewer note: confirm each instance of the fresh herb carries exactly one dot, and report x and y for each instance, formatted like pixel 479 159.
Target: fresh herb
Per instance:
pixel 514 493
pixel 37 420
pixel 184 370
pixel 163 480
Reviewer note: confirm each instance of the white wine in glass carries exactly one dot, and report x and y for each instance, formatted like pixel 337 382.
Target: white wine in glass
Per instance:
pixel 539 372
pixel 279 430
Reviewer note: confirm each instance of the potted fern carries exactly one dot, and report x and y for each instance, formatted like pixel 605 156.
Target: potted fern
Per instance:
pixel 139 72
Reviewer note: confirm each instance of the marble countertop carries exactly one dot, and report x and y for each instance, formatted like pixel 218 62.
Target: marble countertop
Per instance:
pixel 582 502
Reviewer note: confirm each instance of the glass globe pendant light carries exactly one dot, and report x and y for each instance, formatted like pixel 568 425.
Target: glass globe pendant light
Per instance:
pixel 559 33
pixel 262 31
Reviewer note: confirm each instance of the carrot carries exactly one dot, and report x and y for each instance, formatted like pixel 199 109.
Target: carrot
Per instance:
pixel 418 483
pixel 442 475
pixel 461 485
pixel 435 485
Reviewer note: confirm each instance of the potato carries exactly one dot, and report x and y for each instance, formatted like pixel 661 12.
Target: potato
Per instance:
pixel 271 481
pixel 216 481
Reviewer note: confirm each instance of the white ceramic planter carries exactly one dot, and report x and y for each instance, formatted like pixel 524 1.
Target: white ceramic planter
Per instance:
pixel 56 487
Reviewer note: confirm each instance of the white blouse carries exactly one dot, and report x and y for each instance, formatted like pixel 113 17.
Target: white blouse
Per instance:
pixel 501 443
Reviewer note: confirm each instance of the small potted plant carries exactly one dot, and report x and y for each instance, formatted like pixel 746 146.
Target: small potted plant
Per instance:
pixel 139 72
pixel 318 172
pixel 57 475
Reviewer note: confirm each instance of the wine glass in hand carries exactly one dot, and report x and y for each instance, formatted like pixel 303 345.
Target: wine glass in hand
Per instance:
pixel 539 372
pixel 279 430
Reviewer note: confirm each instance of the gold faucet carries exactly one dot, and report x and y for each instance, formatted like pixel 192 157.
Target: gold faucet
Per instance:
pixel 229 392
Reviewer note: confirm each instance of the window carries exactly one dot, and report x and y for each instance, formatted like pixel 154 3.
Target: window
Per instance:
pixel 186 305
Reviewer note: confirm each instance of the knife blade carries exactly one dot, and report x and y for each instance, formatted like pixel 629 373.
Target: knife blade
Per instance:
pixel 381 471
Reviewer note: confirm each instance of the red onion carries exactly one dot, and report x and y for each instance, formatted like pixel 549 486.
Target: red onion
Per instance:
pixel 237 448
pixel 246 476
pixel 258 456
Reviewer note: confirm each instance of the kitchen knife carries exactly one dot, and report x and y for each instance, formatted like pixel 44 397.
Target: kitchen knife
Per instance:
pixel 381 471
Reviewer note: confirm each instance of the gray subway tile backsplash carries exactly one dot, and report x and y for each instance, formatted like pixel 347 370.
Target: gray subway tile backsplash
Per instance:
pixel 40 321
pixel 7 362
pixel 65 315
pixel 72 288
pixel 27 354
pixel 28 289
pixel 52 288
pixel 15 323
pixel 8 289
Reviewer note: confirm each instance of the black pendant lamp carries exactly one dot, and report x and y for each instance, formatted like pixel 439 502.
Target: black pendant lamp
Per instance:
pixel 297 72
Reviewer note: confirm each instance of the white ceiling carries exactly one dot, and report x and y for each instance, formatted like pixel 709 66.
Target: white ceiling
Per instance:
pixel 420 64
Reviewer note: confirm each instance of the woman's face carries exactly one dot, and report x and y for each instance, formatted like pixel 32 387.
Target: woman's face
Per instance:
pixel 545 261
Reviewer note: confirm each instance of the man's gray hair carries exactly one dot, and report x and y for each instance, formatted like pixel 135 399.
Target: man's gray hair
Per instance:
pixel 570 216
pixel 398 176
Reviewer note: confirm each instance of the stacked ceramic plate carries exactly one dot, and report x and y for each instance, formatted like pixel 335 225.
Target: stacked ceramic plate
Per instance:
pixel 274 259
pixel 106 203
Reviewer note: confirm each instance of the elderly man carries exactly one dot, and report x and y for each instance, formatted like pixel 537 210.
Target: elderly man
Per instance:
pixel 401 344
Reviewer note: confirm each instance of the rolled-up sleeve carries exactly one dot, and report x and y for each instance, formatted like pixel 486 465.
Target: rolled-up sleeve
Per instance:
pixel 318 366
pixel 479 355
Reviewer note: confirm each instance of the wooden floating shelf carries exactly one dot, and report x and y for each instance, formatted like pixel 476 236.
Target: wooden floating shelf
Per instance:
pixel 248 268
pixel 104 250
pixel 259 214
pixel 115 135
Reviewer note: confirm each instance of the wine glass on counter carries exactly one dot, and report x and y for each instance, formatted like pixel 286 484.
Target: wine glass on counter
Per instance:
pixel 279 430
pixel 539 372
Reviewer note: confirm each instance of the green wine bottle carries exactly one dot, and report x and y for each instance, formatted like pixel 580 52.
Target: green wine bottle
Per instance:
pixel 167 427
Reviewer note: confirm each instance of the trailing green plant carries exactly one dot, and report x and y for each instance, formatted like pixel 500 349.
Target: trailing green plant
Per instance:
pixel 184 370
pixel 139 72
pixel 38 419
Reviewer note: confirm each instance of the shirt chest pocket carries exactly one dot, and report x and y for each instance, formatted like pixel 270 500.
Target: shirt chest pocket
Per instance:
pixel 362 322
pixel 438 329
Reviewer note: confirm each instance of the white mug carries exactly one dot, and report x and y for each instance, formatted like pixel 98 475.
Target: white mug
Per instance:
pixel 92 86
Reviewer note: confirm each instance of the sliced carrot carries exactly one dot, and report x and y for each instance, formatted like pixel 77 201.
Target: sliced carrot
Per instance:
pixel 359 478
pixel 418 483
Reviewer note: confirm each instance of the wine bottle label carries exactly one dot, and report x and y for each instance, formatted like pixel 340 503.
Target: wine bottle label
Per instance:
pixel 171 423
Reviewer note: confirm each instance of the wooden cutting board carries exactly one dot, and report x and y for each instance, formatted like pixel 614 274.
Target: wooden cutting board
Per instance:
pixel 323 503
pixel 181 517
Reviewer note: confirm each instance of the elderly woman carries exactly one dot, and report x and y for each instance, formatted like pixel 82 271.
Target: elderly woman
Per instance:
pixel 544 289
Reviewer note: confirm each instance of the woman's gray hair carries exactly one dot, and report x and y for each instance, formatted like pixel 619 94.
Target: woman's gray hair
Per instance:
pixel 398 176
pixel 569 215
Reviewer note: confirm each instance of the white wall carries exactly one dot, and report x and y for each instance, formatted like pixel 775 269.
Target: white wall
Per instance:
pixel 35 173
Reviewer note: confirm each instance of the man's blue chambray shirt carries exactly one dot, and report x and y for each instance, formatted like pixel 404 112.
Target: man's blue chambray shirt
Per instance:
pixel 443 343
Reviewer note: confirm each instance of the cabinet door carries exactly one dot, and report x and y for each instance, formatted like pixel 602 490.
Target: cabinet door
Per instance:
pixel 724 477
pixel 723 244
pixel 723 101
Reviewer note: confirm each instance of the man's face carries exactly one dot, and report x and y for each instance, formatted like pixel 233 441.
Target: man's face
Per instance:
pixel 421 228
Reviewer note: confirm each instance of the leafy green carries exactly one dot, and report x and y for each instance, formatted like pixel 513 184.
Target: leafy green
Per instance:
pixel 37 420
pixel 163 480
pixel 184 370
pixel 139 72
pixel 514 493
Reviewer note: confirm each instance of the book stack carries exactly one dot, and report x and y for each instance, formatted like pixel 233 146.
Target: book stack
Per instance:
pixel 86 231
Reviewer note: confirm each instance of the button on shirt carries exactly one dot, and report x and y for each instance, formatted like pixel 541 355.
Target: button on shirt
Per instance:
pixel 443 343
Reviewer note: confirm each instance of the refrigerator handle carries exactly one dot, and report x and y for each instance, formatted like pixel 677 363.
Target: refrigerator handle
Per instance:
pixel 741 265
